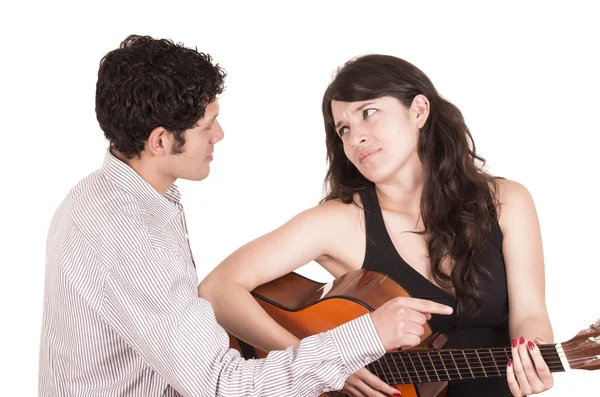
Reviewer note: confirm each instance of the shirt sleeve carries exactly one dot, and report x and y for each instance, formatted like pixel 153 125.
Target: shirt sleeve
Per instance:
pixel 150 300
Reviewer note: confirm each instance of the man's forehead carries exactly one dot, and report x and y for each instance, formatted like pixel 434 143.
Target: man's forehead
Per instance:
pixel 210 112
pixel 212 108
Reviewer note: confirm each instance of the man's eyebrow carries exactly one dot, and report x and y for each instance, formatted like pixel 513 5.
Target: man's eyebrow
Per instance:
pixel 199 122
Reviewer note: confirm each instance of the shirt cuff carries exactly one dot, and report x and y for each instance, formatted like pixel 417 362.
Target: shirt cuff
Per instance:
pixel 358 342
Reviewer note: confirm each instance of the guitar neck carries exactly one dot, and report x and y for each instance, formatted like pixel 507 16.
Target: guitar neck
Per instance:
pixel 445 365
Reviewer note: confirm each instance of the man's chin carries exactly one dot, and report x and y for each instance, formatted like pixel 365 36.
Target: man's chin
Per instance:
pixel 200 177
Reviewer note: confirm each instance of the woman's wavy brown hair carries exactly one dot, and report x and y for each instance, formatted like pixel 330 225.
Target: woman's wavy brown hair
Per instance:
pixel 458 202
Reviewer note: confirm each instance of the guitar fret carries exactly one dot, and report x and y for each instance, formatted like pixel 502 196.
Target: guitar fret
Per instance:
pixel 468 365
pixel 391 373
pixel 433 364
pixel 372 369
pixel 480 362
pixel 445 369
pixel 416 370
pixel 496 365
pixel 456 366
pixel 425 368
pixel 490 364
pixel 383 372
pixel 406 369
pixel 398 370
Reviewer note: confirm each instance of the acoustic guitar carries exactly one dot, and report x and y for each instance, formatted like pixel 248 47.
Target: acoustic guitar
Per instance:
pixel 305 307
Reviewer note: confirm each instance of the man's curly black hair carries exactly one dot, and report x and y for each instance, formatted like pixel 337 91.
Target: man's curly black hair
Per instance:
pixel 147 83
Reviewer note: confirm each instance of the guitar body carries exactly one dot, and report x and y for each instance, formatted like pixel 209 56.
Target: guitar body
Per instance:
pixel 305 308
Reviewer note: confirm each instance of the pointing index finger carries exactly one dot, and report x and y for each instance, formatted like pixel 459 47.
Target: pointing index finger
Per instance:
pixel 426 306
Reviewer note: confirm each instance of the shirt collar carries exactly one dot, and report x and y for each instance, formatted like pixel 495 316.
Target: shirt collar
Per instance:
pixel 164 207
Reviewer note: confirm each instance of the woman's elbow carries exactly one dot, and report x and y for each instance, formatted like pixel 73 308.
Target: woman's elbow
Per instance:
pixel 213 285
pixel 208 286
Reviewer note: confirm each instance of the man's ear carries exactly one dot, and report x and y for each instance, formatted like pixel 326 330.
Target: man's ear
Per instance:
pixel 159 142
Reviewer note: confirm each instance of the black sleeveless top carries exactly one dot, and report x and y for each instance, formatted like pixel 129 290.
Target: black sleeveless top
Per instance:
pixel 489 329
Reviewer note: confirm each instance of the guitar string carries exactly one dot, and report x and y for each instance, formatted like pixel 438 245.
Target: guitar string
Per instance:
pixel 458 368
pixel 436 360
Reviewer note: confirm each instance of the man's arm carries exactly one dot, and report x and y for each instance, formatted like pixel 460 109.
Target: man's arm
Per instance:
pixel 150 300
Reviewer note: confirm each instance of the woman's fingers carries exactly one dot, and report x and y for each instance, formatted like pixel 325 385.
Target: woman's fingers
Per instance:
pixel 527 372
pixel 513 385
pixel 364 384
pixel 518 369
pixel 542 370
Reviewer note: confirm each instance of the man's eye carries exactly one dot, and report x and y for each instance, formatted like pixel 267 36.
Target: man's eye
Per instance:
pixel 368 112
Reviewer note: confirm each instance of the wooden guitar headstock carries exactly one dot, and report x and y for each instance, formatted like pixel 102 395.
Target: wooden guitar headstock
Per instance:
pixel 583 350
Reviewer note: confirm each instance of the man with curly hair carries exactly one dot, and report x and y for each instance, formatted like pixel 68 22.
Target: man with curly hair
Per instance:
pixel 122 316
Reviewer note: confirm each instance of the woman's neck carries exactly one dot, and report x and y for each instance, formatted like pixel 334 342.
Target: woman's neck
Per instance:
pixel 403 194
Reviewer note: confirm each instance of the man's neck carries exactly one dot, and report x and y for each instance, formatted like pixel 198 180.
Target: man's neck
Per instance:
pixel 148 169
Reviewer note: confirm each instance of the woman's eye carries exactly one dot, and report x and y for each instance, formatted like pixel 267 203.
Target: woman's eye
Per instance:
pixel 368 112
pixel 342 131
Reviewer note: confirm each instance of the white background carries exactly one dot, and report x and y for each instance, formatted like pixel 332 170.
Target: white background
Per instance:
pixel 524 75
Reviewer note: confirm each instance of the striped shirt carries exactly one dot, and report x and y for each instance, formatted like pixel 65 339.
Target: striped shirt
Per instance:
pixel 122 316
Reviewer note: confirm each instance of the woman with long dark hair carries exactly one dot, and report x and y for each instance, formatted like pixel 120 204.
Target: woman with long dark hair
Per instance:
pixel 408 196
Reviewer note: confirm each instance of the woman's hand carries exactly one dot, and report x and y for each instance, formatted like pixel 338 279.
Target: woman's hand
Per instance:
pixel 527 372
pixel 364 384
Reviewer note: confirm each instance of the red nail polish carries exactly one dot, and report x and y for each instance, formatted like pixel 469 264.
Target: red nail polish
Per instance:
pixel 522 340
pixel 397 394
pixel 509 362
pixel 514 342
pixel 531 345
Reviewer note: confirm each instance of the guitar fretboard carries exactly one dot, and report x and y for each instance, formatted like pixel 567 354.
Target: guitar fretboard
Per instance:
pixel 445 365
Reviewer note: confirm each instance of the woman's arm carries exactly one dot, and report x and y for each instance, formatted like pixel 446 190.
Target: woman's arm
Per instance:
pixel 529 323
pixel 328 234
pixel 524 258
pixel 307 236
